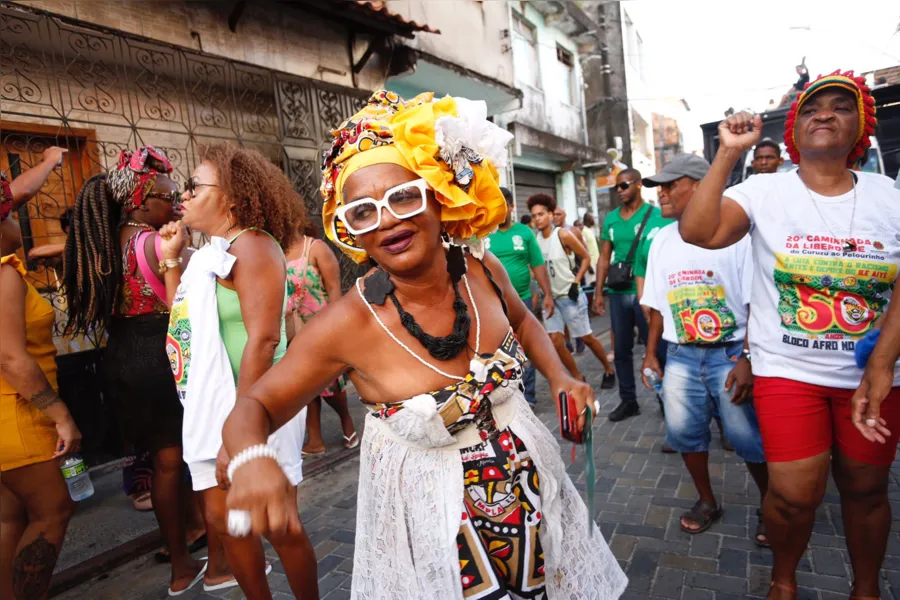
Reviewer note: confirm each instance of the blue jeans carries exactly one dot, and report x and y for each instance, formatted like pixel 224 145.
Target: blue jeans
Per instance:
pixel 693 387
pixel 529 379
pixel 625 314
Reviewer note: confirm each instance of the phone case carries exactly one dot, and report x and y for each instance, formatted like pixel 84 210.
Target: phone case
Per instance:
pixel 568 419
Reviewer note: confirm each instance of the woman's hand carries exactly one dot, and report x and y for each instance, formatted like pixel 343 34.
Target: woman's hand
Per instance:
pixel 222 461
pixel 865 406
pixel 262 489
pixel 735 132
pixel 69 437
pixel 54 155
pixel 579 391
pixel 174 239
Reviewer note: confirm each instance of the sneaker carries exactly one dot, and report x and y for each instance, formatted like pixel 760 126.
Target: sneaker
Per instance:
pixel 624 411
pixel 609 381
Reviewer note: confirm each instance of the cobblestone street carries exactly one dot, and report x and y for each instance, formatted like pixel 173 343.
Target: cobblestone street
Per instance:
pixel 640 496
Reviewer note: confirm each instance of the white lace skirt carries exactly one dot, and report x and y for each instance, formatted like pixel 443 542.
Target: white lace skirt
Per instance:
pixel 411 487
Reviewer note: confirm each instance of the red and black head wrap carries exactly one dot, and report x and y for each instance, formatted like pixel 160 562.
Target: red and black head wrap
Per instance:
pixel 865 104
pixel 135 175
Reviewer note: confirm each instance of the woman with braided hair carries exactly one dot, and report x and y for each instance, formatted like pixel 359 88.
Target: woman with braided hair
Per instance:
pixel 111 273
pixel 826 251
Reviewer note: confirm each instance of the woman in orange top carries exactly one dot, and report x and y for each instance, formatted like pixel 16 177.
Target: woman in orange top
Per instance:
pixel 35 427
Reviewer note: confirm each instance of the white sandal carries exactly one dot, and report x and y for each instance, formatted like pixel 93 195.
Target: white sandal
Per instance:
pixel 351 442
pixel 231 582
pixel 196 580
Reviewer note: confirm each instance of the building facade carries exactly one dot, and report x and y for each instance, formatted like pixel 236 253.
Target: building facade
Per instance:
pixel 103 76
pixel 551 153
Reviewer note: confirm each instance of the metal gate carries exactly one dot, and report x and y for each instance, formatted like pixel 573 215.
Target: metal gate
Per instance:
pixel 99 92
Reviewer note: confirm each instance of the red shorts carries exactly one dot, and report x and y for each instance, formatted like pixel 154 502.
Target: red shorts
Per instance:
pixel 799 420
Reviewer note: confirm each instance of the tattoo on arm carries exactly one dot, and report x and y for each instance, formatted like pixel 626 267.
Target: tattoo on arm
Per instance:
pixel 45 398
pixel 32 568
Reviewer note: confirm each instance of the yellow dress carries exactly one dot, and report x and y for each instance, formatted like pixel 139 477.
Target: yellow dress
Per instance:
pixel 27 436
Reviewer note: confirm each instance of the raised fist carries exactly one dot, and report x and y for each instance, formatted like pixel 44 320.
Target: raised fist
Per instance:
pixel 735 132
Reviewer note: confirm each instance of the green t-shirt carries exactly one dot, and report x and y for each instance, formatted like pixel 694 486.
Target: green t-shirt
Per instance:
pixel 517 249
pixel 621 232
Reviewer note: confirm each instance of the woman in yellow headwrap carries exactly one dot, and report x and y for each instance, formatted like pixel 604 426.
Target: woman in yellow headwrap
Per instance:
pixel 462 491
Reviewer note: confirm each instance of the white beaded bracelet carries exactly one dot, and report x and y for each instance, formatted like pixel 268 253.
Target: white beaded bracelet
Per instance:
pixel 250 454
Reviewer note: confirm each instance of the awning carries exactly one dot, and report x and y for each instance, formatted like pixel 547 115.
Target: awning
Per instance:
pixel 570 155
pixel 433 74
pixel 364 16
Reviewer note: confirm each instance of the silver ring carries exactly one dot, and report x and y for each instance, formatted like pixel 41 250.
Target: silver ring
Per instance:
pixel 238 523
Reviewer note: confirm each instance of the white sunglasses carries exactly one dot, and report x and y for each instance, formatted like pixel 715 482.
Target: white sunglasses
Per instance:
pixel 403 201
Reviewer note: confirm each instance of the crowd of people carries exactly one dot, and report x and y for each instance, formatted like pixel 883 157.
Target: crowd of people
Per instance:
pixel 765 306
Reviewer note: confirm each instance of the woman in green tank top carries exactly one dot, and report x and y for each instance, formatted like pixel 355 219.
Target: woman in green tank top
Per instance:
pixel 238 195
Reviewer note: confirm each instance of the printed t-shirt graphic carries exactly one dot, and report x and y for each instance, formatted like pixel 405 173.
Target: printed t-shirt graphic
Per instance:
pixel 701 294
pixel 811 300
pixel 697 301
pixel 178 342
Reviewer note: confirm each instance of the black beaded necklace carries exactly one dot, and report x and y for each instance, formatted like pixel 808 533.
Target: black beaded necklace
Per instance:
pixel 379 287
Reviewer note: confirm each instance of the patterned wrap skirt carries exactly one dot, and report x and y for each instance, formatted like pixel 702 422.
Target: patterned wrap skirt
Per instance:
pixel 473 516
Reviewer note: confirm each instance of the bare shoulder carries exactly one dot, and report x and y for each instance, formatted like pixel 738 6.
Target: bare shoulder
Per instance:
pixel 321 251
pixel 255 248
pixel 10 276
pixel 344 324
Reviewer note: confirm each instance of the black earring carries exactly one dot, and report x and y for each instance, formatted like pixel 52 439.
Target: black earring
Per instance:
pixel 456 262
pixel 378 286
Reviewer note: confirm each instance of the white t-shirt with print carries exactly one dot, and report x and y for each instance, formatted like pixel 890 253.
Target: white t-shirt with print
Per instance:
pixel 702 294
pixel 811 301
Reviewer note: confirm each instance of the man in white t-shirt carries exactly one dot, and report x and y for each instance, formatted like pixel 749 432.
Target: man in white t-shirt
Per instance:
pixel 571 310
pixel 826 249
pixel 698 301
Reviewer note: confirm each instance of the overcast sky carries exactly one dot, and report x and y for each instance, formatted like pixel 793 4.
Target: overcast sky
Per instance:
pixel 721 53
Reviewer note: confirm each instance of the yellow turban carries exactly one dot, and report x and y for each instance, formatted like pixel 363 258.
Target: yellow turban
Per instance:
pixel 449 143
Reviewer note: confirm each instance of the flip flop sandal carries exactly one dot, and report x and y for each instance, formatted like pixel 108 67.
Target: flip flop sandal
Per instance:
pixel 194 582
pixel 351 442
pixel 304 454
pixel 704 515
pixel 231 582
pixel 761 531
pixel 784 587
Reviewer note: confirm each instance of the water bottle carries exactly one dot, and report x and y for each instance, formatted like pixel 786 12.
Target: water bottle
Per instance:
pixel 78 480
pixel 653 379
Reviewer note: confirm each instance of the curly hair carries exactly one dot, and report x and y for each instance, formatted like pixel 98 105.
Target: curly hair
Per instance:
pixel 545 200
pixel 262 194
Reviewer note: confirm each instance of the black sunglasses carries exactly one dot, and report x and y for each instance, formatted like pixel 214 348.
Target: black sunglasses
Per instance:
pixel 171 197
pixel 625 185
pixel 191 186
